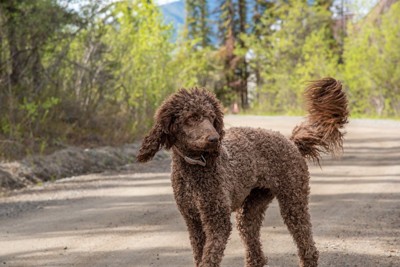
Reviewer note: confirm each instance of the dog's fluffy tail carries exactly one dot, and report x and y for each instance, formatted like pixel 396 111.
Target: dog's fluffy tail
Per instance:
pixel 321 132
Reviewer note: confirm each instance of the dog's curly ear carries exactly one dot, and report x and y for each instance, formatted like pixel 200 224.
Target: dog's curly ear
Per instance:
pixel 152 143
pixel 160 135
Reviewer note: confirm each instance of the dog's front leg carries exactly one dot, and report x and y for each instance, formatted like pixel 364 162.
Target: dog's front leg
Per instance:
pixel 196 233
pixel 215 216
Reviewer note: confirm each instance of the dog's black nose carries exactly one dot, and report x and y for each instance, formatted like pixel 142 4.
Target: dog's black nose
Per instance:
pixel 213 139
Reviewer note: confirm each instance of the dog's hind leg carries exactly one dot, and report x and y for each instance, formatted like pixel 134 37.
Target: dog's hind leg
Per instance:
pixel 293 202
pixel 249 219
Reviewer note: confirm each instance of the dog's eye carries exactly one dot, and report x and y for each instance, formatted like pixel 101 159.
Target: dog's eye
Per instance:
pixel 212 118
pixel 193 118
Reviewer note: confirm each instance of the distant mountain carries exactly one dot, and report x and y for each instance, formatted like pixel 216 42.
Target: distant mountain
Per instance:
pixel 174 12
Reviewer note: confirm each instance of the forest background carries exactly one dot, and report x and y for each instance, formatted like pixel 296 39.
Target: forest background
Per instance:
pixel 93 72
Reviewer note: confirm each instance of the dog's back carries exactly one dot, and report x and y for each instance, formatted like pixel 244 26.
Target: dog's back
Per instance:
pixel 257 158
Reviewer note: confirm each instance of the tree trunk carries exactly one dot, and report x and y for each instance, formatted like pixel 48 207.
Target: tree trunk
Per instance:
pixel 243 73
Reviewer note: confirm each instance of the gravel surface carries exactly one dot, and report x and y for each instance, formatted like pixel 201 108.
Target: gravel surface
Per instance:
pixel 129 217
pixel 64 163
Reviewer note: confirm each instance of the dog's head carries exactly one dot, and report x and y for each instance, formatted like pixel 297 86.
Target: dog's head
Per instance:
pixel 191 120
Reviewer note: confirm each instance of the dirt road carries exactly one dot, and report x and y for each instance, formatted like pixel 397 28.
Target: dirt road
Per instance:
pixel 130 218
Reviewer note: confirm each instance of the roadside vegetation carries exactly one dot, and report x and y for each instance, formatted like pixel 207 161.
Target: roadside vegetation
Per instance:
pixel 92 73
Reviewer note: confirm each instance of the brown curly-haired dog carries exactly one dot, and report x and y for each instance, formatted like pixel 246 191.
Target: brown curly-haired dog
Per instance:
pixel 215 172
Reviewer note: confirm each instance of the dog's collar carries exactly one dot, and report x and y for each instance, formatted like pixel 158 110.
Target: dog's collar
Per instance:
pixel 200 161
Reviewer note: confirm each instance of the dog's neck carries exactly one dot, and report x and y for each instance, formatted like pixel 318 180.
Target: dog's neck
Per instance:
pixel 205 159
pixel 198 160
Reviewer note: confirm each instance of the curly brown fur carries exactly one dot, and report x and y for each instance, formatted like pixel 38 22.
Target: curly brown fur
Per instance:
pixel 327 108
pixel 245 169
pixel 172 113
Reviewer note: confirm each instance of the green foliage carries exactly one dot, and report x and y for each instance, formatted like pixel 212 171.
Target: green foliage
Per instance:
pixel 89 77
pixel 372 65
pixel 96 76
pixel 29 33
pixel 139 44
pixel 197 26
pixel 295 48
pixel 196 66
pixel 318 59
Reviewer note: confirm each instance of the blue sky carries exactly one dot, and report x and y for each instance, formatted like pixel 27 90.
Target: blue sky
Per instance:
pixel 163 2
